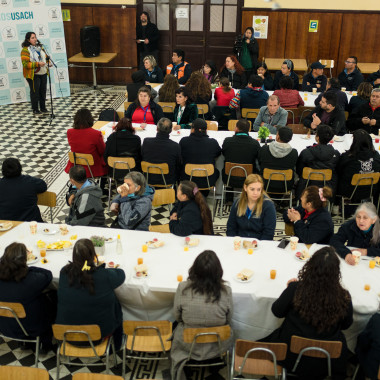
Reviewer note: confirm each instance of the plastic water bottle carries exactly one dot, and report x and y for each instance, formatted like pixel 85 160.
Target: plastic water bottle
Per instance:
pixel 119 247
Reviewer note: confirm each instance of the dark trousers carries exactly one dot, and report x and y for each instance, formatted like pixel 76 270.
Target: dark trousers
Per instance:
pixel 38 91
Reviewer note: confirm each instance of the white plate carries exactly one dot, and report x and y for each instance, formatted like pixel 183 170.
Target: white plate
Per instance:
pixel 305 137
pixel 151 246
pixel 32 261
pixel 241 281
pixel 6 228
pixel 51 232
pixel 140 278
pixel 303 261
pixel 110 239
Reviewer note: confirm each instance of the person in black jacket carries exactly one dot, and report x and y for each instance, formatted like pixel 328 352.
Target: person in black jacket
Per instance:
pixel 185 111
pixel 138 78
pixel 287 68
pixel 123 143
pixel 198 148
pixel 374 78
pixel 240 149
pixel 315 306
pixel 161 149
pixel 153 74
pixel 351 77
pixel 262 71
pixel 312 221
pixel 315 78
pixel 18 193
pixel 319 156
pixel 279 155
pixel 333 86
pixel 360 158
pixel 191 214
pixel 327 113
pixel 27 285
pixel 234 71
pixel 364 94
pixel 147 36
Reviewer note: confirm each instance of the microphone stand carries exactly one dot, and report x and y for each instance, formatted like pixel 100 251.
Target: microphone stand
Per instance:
pixel 48 60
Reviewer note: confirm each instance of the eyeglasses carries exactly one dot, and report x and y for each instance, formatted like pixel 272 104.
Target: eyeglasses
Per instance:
pixel 350 61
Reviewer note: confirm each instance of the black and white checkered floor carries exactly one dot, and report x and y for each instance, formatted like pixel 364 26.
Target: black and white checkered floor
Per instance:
pixel 42 150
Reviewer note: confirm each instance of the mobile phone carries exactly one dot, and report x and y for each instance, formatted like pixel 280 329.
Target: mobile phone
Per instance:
pixel 283 243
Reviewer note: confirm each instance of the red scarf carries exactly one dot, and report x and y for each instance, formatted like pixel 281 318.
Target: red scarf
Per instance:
pixel 307 214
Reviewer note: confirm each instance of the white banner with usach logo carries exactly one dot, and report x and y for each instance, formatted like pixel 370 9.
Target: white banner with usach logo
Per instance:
pixel 43 17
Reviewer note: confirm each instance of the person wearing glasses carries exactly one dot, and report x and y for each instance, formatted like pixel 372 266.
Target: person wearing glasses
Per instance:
pixel 351 77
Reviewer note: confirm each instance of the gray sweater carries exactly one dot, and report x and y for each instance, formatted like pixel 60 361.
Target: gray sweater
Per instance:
pixel 278 119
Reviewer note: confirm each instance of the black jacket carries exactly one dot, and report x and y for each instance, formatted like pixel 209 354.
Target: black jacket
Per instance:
pixel 317 228
pixel 161 149
pixel 154 107
pixel 189 115
pixel 354 121
pixel 253 48
pixel 350 233
pixel 188 221
pixel 199 148
pixel 355 103
pixel 151 33
pixel 123 144
pixel 241 149
pixel 372 77
pixel 342 100
pixel 268 81
pixel 279 75
pixel 350 81
pixel 365 162
pixel 321 79
pixel 337 119
pixel 237 81
pixel 155 76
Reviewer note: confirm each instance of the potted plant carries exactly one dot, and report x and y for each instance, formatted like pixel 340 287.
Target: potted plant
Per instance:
pixel 263 134
pixel 99 244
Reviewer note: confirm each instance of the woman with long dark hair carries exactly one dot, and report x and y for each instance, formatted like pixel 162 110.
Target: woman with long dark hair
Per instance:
pixel 185 111
pixel 167 92
pixel 364 93
pixel 191 214
pixel 262 71
pixel 210 72
pixel 204 300
pixel 86 293
pixel 199 88
pixel 234 71
pixel 315 306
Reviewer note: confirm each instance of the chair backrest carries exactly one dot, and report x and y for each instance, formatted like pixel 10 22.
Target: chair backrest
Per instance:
pixel 245 112
pixel 206 334
pixel 304 110
pixel 365 179
pixel 278 175
pixel 163 197
pixel 95 376
pixel 76 333
pixel 28 373
pixel 13 310
pixel 316 174
pixel 121 163
pixel 147 328
pixel 329 63
pixel 161 228
pixel 346 114
pixel 127 104
pixel 236 170
pixel 232 125
pixel 334 348
pixel 81 158
pixel 211 125
pixel 202 109
pixel 151 168
pixel 109 114
pixel 48 198
pixel 199 170
pixel 298 129
pixel 167 107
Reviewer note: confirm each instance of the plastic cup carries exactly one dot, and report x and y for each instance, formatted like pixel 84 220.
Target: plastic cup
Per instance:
pixel 237 243
pixel 367 287
pixel 33 227
pixel 273 273
pixel 372 264
pixel 186 248
pixel 179 278
pixel 354 93
pixel 43 252
pixel 343 89
pixel 250 251
pixel 145 248
pixel 356 255
pixel 293 243
pixel 140 261
pixel 314 90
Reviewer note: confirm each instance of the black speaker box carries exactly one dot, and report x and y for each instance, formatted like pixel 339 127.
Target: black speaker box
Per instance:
pixel 90 40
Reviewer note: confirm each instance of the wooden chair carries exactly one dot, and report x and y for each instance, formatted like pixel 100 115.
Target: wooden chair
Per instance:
pixel 235 170
pixel 248 111
pixel 289 229
pixel 292 112
pixel 258 358
pixel 17 311
pixel 10 372
pixel 315 349
pixel 211 125
pixel 298 129
pixel 95 376
pixel 160 228
pixel 126 163
pixel 82 159
pixel 167 107
pixel 48 198
pixel 84 334
pixel 329 63
pixel 321 175
pixel 164 197
pixel 218 334
pixel 202 109
pixel 280 176
pixel 152 168
pixel 232 125
pixel 201 171
pixel 146 337
pixel 127 104
pixel 364 179
pixel 357 370
pixel 303 110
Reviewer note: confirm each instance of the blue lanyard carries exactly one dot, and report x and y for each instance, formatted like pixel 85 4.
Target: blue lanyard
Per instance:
pixel 145 111
pixel 149 73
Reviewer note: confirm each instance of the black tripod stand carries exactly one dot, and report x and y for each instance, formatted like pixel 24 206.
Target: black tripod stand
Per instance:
pixel 48 60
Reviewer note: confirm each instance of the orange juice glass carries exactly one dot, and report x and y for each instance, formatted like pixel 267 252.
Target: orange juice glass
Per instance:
pixel 372 264
pixel 186 248
pixel 250 251
pixel 367 287
pixel 42 252
pixel 273 273
pixel 145 248
pixel 179 278
pixel 140 260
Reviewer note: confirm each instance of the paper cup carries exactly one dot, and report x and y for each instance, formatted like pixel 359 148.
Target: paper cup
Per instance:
pixel 237 243
pixel 314 90
pixel 343 89
pixel 33 227
pixel 356 255
pixel 293 243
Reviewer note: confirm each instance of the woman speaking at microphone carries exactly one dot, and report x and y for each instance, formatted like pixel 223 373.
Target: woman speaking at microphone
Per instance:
pixel 35 71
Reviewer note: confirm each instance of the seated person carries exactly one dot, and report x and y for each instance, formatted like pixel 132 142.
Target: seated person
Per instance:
pixel 333 86
pixel 191 214
pixel 319 156
pixel 210 72
pixel 253 96
pixel 161 149
pixel 123 142
pixel 84 199
pixel 315 306
pixel 271 116
pixel 83 138
pixel 234 71
pixel 144 110
pixel 199 148
pixel 185 111
pixel 262 71
pixel 138 78
pixel 153 74
pixel 351 77
pixel 327 113
pixel 361 232
pixel 374 79
pixel 240 149
pixel 253 215
pixel 167 92
pixel 199 88
pixel 288 98
pixel 279 155
pixel 312 221
pixel 315 78
pixel 27 285
pixel 361 158
pixel 367 116
pixel 363 97
pixel 224 93
pixel 179 68
pixel 18 193
pixel 203 300
pixel 133 204
pixel 86 293
pixel 287 69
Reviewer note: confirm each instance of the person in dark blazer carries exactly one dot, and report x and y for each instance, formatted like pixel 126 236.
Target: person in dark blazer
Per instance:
pixel 234 71
pixel 138 78
pixel 86 293
pixel 287 68
pixel 199 148
pixel 27 285
pixel 161 149
pixel 312 221
pixel 153 74
pixel 315 306
pixel 374 79
pixel 262 71
pixel 315 78
pixel 185 111
pixel 364 94
pixel 333 86
pixel 123 143
pixel 18 193
pixel 351 76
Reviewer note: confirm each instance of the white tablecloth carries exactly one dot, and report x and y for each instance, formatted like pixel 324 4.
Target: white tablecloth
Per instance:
pixel 152 298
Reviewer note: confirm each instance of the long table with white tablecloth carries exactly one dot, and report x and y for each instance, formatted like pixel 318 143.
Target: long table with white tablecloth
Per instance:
pixel 152 297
